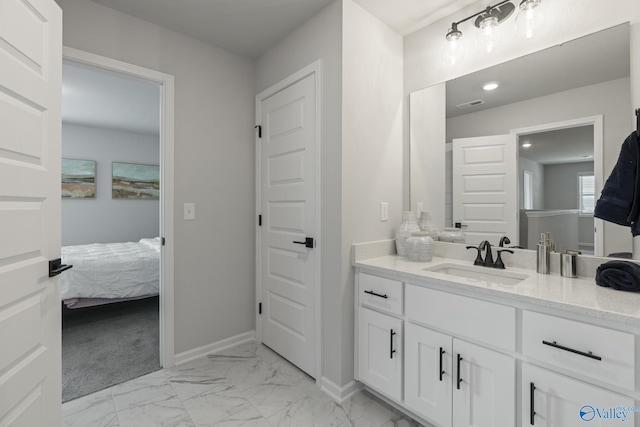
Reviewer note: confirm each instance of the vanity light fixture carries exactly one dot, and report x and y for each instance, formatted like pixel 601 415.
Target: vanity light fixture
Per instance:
pixel 490 86
pixel 488 21
pixel 526 145
pixel 529 18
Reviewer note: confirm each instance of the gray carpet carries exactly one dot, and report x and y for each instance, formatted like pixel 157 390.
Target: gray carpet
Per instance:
pixel 107 345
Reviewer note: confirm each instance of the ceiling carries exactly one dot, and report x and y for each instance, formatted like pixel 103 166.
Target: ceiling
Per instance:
pixel 250 27
pixel 93 96
pixel 569 145
pixel 408 16
pixel 246 27
pixel 596 58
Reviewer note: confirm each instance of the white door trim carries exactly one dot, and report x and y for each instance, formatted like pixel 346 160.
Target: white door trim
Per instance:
pixel 314 68
pixel 598 160
pixel 166 82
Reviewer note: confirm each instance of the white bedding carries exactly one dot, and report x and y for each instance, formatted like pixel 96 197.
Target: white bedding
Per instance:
pixel 112 270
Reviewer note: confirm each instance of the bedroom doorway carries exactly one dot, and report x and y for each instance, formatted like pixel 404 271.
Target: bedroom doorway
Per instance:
pixel 125 152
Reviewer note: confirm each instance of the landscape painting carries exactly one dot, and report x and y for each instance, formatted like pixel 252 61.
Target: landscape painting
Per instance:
pixel 135 181
pixel 78 179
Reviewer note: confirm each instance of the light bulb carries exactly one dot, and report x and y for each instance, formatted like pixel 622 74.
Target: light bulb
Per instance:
pixel 454 50
pixel 529 19
pixel 489 34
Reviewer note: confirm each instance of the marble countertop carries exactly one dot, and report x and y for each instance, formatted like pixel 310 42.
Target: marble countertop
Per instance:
pixel 576 295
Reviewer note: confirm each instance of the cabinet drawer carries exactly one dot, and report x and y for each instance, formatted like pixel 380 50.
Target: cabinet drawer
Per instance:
pixel 489 323
pixel 383 294
pixel 592 351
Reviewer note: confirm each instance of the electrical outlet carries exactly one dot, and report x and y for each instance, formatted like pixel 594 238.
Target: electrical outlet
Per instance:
pixel 189 211
pixel 420 207
pixel 384 211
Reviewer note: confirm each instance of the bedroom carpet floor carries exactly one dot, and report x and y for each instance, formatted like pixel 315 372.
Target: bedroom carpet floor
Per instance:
pixel 107 345
pixel 248 385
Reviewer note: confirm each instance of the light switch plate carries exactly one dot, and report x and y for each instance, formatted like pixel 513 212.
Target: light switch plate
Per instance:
pixel 419 207
pixel 384 211
pixel 189 211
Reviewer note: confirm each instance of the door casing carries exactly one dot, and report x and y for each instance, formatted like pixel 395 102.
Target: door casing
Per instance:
pixel 166 82
pixel 598 161
pixel 312 69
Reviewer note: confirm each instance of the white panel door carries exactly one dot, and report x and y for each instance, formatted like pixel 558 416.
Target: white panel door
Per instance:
pixel 288 207
pixel 559 401
pixel 485 188
pixel 380 352
pixel 428 373
pixel 484 390
pixel 30 317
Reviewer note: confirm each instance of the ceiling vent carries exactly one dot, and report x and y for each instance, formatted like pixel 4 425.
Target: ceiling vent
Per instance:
pixel 469 104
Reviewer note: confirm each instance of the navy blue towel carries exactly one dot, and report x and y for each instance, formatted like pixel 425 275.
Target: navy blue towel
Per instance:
pixel 619 201
pixel 619 275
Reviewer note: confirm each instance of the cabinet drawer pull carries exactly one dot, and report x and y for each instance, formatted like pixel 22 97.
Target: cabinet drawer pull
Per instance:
pixel 441 371
pixel 376 295
pixel 459 380
pixel 532 412
pixel 391 349
pixel 571 350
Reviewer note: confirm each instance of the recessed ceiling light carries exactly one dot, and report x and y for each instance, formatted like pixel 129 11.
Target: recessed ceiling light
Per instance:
pixel 526 145
pixel 490 86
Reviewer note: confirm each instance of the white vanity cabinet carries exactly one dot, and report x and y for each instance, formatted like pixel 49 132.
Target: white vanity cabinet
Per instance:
pixel 551 399
pixel 380 349
pixel 451 359
pixel 380 334
pixel 448 380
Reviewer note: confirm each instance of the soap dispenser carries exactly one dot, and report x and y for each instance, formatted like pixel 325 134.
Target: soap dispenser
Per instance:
pixel 544 253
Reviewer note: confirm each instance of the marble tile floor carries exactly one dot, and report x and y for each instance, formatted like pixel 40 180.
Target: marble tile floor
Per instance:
pixel 248 385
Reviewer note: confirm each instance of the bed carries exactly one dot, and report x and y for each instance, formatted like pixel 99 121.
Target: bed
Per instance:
pixel 103 273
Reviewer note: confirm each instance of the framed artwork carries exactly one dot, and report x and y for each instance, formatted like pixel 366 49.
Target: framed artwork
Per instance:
pixel 78 179
pixel 135 181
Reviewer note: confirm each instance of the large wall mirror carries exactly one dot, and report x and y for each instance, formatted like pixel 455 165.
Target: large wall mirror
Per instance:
pixel 531 155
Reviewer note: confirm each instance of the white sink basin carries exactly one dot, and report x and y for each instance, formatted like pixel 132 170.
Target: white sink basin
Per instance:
pixel 474 273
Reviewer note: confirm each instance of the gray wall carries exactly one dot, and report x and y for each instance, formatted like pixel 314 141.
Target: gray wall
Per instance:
pixel 214 165
pixel 561 192
pixel 561 184
pixel 372 153
pixel 103 219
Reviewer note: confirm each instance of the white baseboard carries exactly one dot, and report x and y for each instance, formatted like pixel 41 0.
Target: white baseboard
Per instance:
pixel 224 344
pixel 337 393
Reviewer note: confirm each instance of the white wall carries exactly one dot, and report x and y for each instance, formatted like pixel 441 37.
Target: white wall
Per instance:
pixel 321 38
pixel 372 149
pixel 103 219
pixel 214 164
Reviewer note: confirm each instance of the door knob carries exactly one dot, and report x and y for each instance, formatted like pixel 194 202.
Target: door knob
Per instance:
pixel 308 242
pixel 56 267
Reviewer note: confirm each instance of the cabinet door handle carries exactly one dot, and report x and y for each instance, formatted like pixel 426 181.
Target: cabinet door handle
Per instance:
pixel 532 412
pixel 391 349
pixel 571 350
pixel 376 295
pixel 441 371
pixel 459 380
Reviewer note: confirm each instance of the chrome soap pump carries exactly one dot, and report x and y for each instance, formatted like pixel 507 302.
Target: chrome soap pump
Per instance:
pixel 544 253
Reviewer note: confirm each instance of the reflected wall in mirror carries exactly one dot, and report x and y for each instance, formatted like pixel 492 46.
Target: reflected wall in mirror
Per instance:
pixel 579 91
